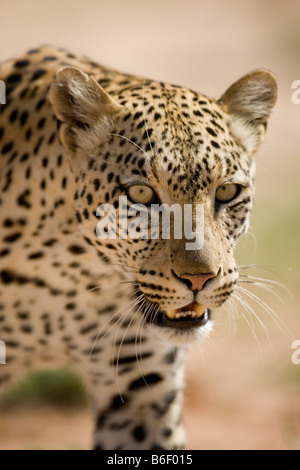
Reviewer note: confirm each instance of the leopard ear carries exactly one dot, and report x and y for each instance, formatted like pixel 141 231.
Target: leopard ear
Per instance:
pixel 85 109
pixel 249 103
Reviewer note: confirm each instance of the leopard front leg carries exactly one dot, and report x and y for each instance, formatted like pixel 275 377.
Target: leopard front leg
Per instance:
pixel 141 407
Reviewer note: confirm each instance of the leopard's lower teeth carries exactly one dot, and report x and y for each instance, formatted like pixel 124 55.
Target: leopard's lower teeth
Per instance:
pixel 197 311
pixel 185 315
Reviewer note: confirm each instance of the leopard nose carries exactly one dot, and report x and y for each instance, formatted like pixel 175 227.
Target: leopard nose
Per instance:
pixel 197 281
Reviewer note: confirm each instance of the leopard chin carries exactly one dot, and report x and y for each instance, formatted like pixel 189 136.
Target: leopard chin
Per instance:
pixel 183 325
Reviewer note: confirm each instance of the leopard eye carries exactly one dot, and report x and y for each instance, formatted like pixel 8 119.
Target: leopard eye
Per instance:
pixel 141 194
pixel 227 192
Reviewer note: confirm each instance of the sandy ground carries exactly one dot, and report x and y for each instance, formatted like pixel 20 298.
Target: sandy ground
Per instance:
pixel 238 395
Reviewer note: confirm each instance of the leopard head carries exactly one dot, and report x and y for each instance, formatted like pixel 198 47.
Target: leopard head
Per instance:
pixel 144 144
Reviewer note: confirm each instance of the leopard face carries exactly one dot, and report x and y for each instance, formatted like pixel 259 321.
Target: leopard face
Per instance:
pixel 163 144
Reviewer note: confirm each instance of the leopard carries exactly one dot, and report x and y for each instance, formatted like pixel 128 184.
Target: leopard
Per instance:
pixel 122 312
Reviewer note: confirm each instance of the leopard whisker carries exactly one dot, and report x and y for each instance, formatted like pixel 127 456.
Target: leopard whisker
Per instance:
pixel 138 300
pixel 110 321
pixel 272 282
pixel 255 315
pixel 263 286
pixel 112 324
pixel 131 141
pixel 140 327
pixel 230 309
pixel 273 315
pixel 249 321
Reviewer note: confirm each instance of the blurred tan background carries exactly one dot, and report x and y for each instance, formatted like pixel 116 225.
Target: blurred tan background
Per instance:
pixel 242 390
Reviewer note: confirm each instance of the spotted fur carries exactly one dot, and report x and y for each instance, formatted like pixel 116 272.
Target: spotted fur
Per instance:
pixel 73 135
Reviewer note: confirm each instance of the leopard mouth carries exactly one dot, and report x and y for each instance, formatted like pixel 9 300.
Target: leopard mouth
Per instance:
pixel 191 316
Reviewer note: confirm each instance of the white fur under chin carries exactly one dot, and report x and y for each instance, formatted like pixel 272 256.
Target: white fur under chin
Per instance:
pixel 182 338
